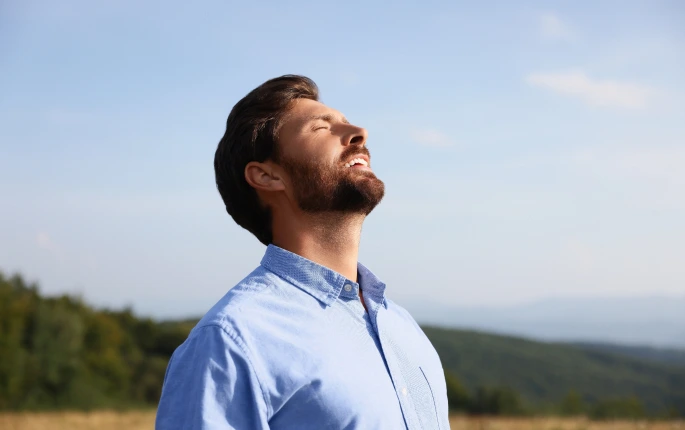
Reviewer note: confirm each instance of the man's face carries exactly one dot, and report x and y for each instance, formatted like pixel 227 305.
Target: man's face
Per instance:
pixel 326 160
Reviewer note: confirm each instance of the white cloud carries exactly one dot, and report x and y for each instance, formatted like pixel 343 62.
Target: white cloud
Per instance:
pixel 606 93
pixel 553 28
pixel 431 137
pixel 45 243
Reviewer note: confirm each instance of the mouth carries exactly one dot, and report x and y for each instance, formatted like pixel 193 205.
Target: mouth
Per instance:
pixel 360 162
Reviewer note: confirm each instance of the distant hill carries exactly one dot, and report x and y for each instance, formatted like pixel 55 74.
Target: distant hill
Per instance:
pixel 649 321
pixel 669 356
pixel 545 373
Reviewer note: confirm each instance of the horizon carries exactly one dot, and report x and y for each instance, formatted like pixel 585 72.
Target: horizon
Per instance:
pixel 666 330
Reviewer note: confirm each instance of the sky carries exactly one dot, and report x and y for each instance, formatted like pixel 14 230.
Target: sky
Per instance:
pixel 530 150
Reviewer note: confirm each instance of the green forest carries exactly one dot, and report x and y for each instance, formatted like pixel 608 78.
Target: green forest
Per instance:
pixel 509 375
pixel 61 353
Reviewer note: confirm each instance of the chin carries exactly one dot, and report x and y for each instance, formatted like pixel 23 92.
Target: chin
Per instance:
pixel 372 195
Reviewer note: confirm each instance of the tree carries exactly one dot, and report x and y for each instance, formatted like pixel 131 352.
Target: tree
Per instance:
pixel 630 407
pixel 61 353
pixel 458 397
pixel 572 404
pixel 497 401
pixel 17 304
pixel 57 344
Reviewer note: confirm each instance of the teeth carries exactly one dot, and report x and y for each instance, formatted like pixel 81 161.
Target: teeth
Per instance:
pixel 356 161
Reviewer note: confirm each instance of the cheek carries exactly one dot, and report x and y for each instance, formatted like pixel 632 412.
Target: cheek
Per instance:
pixel 322 157
pixel 325 152
pixel 331 155
pixel 309 149
pixel 321 150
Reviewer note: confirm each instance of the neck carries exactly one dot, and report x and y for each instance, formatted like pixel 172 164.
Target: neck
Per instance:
pixel 330 239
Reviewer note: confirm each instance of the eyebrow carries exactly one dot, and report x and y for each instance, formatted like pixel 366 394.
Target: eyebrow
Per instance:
pixel 327 117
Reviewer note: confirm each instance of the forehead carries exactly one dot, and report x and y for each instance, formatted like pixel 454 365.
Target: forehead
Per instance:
pixel 304 111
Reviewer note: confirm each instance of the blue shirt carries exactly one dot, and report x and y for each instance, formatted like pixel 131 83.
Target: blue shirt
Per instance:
pixel 291 347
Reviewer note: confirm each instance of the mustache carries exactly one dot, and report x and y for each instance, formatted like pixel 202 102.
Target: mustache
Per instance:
pixel 354 150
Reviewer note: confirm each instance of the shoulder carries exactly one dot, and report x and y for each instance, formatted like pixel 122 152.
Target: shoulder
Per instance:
pixel 255 313
pixel 248 300
pixel 224 339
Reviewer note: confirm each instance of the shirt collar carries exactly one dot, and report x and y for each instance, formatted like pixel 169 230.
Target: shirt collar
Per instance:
pixel 319 281
pixel 370 284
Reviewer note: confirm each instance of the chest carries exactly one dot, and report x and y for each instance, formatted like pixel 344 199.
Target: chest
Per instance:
pixel 357 370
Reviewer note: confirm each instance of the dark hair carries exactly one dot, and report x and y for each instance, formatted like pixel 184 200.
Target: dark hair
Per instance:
pixel 251 135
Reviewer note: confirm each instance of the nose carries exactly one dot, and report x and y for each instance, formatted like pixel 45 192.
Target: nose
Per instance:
pixel 356 136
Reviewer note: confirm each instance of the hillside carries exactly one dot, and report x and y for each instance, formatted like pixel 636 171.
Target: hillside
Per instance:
pixel 545 372
pixel 669 356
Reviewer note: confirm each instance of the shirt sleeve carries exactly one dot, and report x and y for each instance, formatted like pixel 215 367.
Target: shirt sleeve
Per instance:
pixel 210 384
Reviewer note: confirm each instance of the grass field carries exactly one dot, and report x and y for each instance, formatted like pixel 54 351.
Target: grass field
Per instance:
pixel 146 419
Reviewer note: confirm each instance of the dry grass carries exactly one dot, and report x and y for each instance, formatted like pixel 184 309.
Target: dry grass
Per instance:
pixel 459 423
pixel 101 420
pixel 105 420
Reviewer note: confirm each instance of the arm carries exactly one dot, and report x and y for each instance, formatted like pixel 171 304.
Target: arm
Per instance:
pixel 211 384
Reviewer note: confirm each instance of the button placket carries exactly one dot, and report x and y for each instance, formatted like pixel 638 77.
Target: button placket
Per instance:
pixel 406 404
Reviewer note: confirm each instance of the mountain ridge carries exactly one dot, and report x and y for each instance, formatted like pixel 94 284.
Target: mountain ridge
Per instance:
pixel 651 321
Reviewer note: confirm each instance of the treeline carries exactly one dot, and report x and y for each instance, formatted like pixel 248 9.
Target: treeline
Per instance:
pixel 507 402
pixel 60 353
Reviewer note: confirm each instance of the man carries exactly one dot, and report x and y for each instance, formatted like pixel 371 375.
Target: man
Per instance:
pixel 308 340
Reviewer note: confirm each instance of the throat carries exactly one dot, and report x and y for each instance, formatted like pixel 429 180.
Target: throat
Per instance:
pixel 328 239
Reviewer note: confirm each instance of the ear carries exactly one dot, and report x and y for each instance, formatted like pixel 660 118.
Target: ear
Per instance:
pixel 263 176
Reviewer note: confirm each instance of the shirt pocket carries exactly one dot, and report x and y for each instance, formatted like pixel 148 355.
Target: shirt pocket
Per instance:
pixel 426 406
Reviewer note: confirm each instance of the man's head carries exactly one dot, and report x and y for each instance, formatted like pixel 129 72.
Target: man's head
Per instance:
pixel 282 145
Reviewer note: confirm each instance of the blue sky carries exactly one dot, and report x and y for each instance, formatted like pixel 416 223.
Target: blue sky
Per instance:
pixel 529 149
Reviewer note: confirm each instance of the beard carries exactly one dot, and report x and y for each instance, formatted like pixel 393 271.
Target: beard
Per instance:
pixel 322 188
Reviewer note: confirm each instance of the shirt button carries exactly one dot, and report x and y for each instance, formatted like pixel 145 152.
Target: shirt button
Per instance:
pixel 348 287
pixel 404 391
